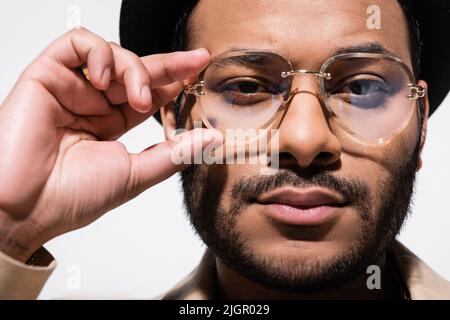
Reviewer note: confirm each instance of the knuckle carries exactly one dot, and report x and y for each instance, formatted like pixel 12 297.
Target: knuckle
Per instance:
pixel 127 54
pixel 114 44
pixel 79 30
pixel 134 64
pixel 97 41
pixel 39 69
pixel 134 58
pixel 103 46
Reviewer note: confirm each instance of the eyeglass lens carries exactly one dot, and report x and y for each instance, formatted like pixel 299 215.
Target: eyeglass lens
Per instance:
pixel 367 96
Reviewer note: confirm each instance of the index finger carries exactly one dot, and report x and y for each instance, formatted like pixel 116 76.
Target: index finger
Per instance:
pixel 172 67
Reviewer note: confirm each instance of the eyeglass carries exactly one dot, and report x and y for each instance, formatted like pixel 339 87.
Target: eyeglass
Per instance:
pixel 371 96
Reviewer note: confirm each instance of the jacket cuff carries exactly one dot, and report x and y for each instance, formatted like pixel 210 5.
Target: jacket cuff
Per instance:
pixel 20 281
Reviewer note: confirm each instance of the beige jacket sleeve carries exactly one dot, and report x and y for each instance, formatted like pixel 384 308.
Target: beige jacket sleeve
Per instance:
pixel 22 281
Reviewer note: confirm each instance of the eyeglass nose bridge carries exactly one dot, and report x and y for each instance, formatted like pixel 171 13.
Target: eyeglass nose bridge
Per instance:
pixel 290 95
pixel 293 73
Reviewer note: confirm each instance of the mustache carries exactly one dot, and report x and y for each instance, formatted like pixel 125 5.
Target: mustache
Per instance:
pixel 248 188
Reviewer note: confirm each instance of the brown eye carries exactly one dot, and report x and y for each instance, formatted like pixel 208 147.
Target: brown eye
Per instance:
pixel 243 92
pixel 365 87
pixel 248 87
pixel 245 88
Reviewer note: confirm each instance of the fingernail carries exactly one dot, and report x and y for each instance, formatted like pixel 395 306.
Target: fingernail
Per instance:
pixel 106 77
pixel 200 52
pixel 146 94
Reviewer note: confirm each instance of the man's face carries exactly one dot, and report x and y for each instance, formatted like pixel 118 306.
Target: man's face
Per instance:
pixel 358 194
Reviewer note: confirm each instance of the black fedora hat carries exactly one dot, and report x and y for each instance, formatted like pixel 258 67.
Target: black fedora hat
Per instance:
pixel 148 27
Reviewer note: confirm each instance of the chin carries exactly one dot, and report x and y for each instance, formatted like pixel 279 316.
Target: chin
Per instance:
pixel 298 251
pixel 266 239
pixel 298 267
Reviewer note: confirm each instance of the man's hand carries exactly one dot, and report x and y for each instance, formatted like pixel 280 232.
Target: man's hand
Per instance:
pixel 60 166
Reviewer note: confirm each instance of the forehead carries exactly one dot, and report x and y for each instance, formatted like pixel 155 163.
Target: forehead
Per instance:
pixel 301 30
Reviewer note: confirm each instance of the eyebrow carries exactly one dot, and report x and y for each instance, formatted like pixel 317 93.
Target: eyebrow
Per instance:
pixel 254 60
pixel 259 60
pixel 368 47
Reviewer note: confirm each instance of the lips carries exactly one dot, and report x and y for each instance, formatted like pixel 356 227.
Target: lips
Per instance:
pixel 296 206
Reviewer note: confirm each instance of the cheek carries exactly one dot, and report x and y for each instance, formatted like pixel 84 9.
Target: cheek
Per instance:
pixel 401 149
pixel 377 165
pixel 229 175
pixel 379 161
pixel 371 173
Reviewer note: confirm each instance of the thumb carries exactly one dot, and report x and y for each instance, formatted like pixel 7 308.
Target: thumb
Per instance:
pixel 160 161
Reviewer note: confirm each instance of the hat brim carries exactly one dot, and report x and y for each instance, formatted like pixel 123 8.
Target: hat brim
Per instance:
pixel 148 26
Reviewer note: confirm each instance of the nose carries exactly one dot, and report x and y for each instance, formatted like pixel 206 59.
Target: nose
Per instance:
pixel 304 131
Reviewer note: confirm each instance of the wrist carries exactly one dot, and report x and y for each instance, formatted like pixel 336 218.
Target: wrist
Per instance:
pixel 16 242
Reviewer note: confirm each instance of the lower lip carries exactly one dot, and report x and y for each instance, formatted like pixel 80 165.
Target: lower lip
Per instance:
pixel 313 216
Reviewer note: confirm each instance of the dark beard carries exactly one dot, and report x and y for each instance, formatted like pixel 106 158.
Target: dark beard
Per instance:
pixel 383 216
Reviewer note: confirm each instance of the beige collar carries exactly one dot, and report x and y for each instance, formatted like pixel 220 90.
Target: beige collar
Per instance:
pixel 422 282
